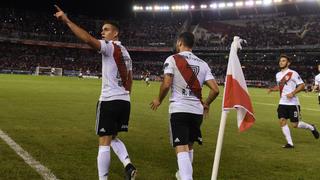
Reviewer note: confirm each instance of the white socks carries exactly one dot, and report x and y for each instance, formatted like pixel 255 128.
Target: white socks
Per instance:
pixel 120 149
pixel 286 133
pixel 191 155
pixel 103 160
pixel 304 125
pixel 104 157
pixel 185 166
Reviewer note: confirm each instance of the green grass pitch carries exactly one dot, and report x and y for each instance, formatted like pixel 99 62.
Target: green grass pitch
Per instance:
pixel 53 118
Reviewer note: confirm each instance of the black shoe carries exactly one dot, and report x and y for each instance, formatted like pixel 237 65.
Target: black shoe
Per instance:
pixel 288 146
pixel 131 172
pixel 315 132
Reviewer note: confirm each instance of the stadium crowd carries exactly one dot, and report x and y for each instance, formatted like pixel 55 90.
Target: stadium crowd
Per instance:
pixel 261 32
pixel 256 66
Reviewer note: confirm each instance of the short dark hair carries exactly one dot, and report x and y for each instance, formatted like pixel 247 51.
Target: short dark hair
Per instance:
pixel 287 57
pixel 187 39
pixel 113 23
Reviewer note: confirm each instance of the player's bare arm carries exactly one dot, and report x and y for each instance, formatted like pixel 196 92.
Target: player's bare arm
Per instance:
pixel 297 90
pixel 79 32
pixel 213 94
pixel 129 80
pixel 164 89
pixel 315 88
pixel 275 88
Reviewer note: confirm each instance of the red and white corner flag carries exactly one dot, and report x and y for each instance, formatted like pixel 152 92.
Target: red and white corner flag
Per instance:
pixel 236 94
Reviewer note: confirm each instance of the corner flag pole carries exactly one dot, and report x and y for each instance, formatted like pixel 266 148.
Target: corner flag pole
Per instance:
pixel 219 145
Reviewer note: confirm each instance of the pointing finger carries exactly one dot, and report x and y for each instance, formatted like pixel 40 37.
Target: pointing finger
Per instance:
pixel 57 7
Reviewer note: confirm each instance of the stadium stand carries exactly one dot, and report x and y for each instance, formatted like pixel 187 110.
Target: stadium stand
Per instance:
pixel 25 43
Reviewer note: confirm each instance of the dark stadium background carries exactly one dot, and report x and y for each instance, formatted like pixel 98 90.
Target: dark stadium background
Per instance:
pixel 53 117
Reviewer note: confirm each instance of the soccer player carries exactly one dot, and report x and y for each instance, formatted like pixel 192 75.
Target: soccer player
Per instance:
pixel 53 71
pixel 113 107
pixel 80 75
pixel 185 74
pixel 289 84
pixel 147 78
pixel 317 83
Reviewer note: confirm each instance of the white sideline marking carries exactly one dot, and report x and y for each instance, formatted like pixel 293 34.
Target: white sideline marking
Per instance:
pixel 36 165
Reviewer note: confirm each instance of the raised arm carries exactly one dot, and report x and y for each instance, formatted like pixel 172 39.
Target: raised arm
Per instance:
pixel 78 31
pixel 274 88
pixel 130 80
pixel 316 86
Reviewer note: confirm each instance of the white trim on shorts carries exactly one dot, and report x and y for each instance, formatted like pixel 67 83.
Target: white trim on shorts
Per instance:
pixel 98 116
pixel 299 115
pixel 170 130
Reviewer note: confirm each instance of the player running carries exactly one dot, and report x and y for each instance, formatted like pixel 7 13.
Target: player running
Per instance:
pixel 289 84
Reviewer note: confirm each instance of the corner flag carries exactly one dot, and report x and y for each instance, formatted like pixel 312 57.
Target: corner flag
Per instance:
pixel 235 96
pixel 236 92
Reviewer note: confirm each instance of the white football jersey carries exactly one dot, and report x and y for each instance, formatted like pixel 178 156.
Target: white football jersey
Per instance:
pixel 182 99
pixel 287 82
pixel 317 81
pixel 112 88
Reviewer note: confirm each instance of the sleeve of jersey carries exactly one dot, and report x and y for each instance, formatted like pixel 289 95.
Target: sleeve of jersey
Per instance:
pixel 209 75
pixel 297 78
pixel 168 66
pixel 129 65
pixel 316 81
pixel 105 47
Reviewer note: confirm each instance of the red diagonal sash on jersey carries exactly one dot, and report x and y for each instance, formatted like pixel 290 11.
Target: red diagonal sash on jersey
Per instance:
pixel 188 75
pixel 117 55
pixel 284 80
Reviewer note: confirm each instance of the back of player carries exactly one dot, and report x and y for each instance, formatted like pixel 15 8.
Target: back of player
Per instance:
pixel 185 74
pixel 182 98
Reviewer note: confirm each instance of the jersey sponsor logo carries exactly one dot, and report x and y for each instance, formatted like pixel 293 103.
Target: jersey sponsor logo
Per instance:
pixel 102 130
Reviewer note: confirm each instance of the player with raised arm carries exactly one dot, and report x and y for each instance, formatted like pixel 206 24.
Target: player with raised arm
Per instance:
pixel 289 84
pixel 113 107
pixel 185 74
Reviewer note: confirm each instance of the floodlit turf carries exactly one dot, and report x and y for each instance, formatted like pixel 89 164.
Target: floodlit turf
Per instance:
pixel 53 118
